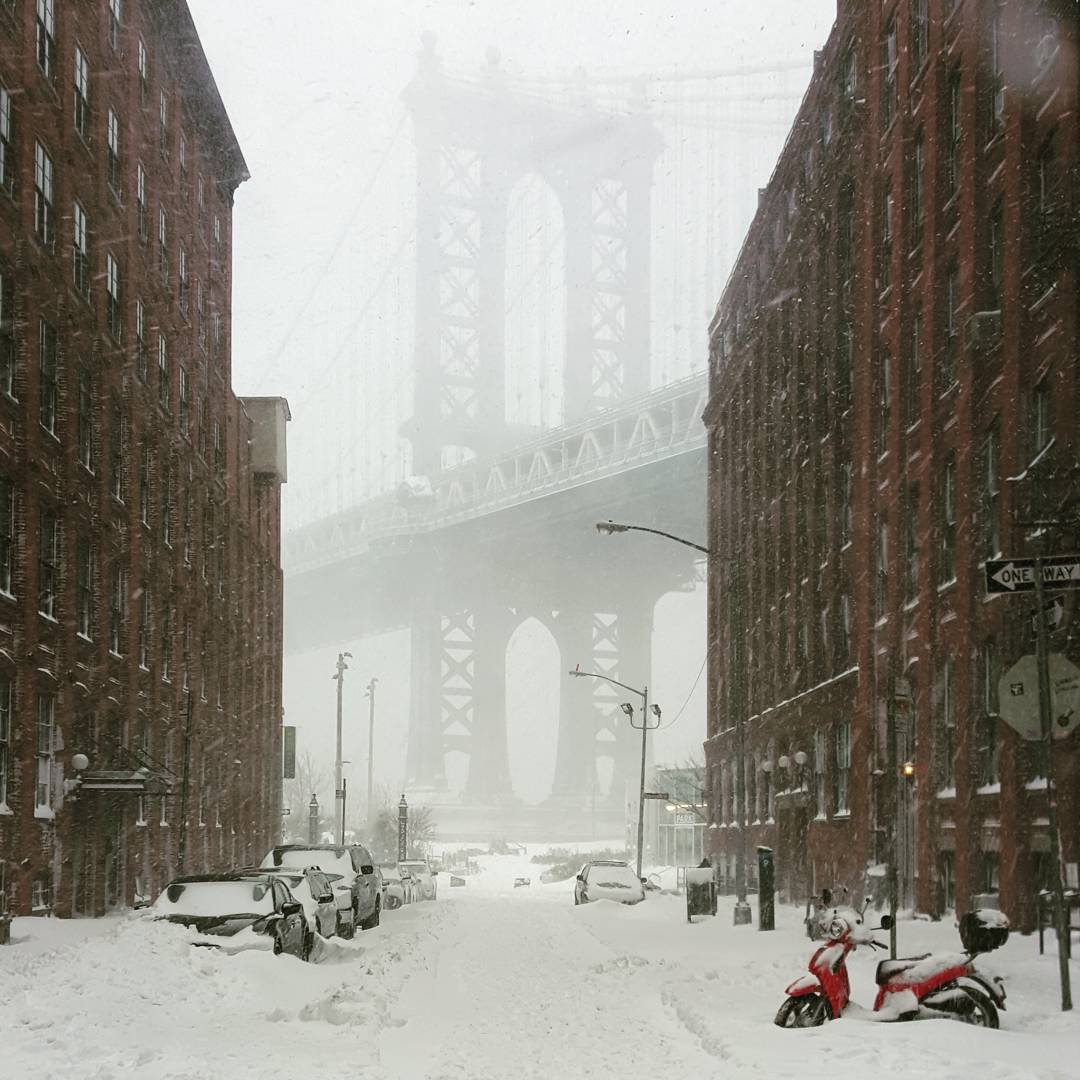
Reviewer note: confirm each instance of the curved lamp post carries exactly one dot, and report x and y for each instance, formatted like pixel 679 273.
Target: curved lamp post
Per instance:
pixel 644 728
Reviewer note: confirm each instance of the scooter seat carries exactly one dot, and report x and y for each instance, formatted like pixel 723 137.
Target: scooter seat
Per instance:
pixel 886 969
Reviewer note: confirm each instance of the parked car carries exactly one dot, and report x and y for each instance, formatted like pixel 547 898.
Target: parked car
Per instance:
pixel 238 902
pixel 427 882
pixel 358 892
pixel 315 891
pixel 399 886
pixel 608 880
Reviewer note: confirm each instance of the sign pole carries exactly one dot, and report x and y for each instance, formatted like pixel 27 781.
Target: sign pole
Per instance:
pixel 892 790
pixel 1041 652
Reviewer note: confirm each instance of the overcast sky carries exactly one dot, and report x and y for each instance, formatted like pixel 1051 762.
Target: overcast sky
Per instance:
pixel 313 89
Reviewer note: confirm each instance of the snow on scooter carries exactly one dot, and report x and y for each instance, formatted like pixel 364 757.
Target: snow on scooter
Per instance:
pixel 944 985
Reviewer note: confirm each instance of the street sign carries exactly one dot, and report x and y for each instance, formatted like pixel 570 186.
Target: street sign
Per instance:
pixel 1018 697
pixel 686 819
pixel 656 795
pixel 286 810
pixel 1053 614
pixel 1018 575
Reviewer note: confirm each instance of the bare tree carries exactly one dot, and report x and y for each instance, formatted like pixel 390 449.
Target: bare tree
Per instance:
pixel 311 779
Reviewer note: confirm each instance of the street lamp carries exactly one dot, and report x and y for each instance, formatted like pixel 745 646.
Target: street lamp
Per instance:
pixel 742 907
pixel 644 728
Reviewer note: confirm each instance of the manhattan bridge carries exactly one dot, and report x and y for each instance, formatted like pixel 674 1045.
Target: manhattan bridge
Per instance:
pixel 528 358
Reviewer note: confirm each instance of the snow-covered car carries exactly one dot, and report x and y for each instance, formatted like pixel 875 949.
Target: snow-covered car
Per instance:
pixel 358 891
pixel 426 881
pixel 398 886
pixel 230 904
pixel 315 891
pixel 608 880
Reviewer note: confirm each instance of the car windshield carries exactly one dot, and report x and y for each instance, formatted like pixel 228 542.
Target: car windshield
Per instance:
pixel 330 861
pixel 415 867
pixel 615 877
pixel 205 898
pixel 390 873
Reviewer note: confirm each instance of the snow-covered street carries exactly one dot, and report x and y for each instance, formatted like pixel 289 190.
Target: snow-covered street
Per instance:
pixel 490 982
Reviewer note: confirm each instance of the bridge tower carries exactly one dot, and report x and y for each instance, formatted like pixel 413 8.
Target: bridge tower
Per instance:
pixel 475 139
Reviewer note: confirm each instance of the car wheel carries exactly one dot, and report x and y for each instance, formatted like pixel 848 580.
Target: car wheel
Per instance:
pixel 279 942
pixel 983 1012
pixel 345 929
pixel 809 1010
pixel 307 946
pixel 373 921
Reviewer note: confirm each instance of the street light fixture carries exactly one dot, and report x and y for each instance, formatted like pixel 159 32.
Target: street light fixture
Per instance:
pixel 644 728
pixel 610 527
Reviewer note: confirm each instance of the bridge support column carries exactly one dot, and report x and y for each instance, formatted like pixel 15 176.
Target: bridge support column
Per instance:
pixel 425 766
pixel 575 756
pixel 489 764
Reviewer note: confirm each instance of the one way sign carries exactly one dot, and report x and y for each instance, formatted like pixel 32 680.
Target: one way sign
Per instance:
pixel 1018 575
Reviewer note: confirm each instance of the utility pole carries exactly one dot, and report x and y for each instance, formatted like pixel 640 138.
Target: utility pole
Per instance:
pixel 1043 663
pixel 339 792
pixel 370 806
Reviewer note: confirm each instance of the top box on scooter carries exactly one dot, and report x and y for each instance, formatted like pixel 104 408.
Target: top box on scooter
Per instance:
pixel 984 930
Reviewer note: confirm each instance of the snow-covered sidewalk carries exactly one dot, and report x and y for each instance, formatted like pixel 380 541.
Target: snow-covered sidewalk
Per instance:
pixel 492 982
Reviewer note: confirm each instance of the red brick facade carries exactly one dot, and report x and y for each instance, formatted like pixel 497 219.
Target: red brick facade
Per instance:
pixel 139 498
pixel 897 343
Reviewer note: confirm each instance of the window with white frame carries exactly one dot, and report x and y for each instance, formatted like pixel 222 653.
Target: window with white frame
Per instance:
pixel 992 491
pixel 48 369
pixel 1040 427
pixel 142 219
pixel 112 152
pixel 144 485
pixel 44 215
pixel 990 726
pixel 996 102
pixel 163 125
pixel 947 727
pixel 184 284
pixel 947 569
pixel 163 372
pixel 183 407
pixel 114 315
pixel 144 626
pixel 841 766
pixel 183 152
pixel 7 147
pixel 144 73
pixel 114 24
pixel 166 505
pixel 7 536
pixel 117 594
pixel 163 249
pixel 7 334
pixel 84 587
pixel 82 93
pixel 80 251
pixel 166 643
pixel 117 439
pixel 819 774
pixel 142 362
pixel 5 746
pixel 45 750
pixel 45 31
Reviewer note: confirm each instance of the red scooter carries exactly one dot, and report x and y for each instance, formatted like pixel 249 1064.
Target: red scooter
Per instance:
pixel 945 985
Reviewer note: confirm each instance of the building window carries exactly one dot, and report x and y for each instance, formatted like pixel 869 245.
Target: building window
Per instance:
pixel 200 314
pixel 163 249
pixel 955 135
pixel 819 774
pixel 913 372
pixel 184 284
pixel 46 38
pixel 112 152
pixel 48 363
pixel 947 569
pixel 992 491
pixel 84 420
pixel 84 587
pixel 163 372
pixel 142 361
pixel 116 452
pixel 80 252
pixel 1040 409
pixel 881 578
pixel 82 93
pixel 989 731
pixel 890 58
pixel 117 592
pixel 144 626
pixel 915 189
pixel 48 562
pixel 144 74
pixel 845 626
pixel 217 231
pixel 996 100
pixel 7 147
pixel 952 329
pixel 920 27
pixel 947 728
pixel 885 255
pixel 911 542
pixel 841 766
pixel 219 449
pixel 5 757
pixel 884 403
pixel 7 334
pixel 997 256
pixel 44 216
pixel 200 199
pixel 166 506
pixel 142 217
pixel 144 485
pixel 114 319
pixel 850 77
pixel 183 406
pixel 7 536
pixel 46 745
pixel 163 125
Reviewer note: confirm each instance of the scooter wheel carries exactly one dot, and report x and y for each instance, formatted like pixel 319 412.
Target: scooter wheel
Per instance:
pixel 983 1011
pixel 810 1010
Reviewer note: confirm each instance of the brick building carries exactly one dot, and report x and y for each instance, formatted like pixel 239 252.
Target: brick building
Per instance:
pixel 894 390
pixel 140 580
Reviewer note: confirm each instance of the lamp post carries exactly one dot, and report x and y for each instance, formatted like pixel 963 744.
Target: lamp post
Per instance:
pixel 370 808
pixel 339 791
pixel 644 729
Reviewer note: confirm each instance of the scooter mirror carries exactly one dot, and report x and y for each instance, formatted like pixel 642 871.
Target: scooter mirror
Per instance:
pixel 886 922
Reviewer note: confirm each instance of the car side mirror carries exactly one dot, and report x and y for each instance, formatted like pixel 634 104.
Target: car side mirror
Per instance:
pixel 886 922
pixel 366 869
pixel 291 907
pixel 581 877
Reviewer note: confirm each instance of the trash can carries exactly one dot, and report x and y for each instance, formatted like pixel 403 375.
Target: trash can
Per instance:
pixel 766 889
pixel 700 892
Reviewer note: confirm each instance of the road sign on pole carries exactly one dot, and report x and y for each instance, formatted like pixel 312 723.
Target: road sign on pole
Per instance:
pixel 1018 697
pixel 1018 575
